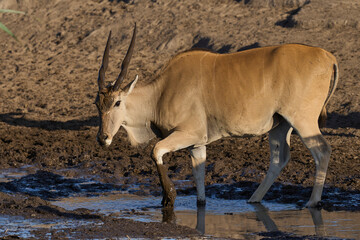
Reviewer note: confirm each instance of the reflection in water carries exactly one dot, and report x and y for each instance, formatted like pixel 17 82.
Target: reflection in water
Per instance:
pixel 318 222
pixel 225 218
pixel 200 219
pixel 262 215
pixel 168 216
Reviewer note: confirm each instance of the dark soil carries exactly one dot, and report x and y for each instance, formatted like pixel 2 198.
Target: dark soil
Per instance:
pixel 48 83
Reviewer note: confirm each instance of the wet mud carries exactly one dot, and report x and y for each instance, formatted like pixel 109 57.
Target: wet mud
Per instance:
pixel 48 122
pixel 34 196
pixel 51 186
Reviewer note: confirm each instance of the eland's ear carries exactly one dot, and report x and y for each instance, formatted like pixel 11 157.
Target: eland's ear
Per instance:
pixel 132 85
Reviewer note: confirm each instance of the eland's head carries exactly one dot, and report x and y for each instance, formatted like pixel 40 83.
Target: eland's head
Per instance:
pixel 111 99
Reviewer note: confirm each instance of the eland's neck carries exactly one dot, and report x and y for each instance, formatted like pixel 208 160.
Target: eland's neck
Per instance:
pixel 141 104
pixel 140 111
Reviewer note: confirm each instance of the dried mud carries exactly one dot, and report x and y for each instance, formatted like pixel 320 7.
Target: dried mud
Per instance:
pixel 48 86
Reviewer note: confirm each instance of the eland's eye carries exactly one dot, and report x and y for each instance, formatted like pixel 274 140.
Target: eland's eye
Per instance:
pixel 117 104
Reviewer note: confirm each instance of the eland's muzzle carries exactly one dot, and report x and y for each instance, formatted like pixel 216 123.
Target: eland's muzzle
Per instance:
pixel 103 139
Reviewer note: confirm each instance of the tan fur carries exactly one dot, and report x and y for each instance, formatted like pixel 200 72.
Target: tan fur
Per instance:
pixel 201 96
pixel 237 94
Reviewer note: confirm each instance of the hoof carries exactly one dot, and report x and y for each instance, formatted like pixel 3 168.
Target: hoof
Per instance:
pixel 168 215
pixel 317 205
pixel 253 201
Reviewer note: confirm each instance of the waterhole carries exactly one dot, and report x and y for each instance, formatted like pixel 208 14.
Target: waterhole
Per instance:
pixel 226 218
pixel 227 214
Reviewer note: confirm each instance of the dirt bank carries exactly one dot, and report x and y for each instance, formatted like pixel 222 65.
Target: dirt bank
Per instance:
pixel 48 86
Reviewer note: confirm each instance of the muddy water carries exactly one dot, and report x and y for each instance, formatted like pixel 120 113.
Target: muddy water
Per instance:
pixel 248 224
pixel 222 217
pixel 23 227
pixel 226 218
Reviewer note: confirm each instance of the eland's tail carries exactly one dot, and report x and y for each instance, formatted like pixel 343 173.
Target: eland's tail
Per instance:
pixel 323 114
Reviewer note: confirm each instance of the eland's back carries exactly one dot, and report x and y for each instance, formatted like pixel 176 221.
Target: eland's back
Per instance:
pixel 239 93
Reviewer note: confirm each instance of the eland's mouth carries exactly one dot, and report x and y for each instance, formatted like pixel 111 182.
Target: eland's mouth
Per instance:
pixel 108 142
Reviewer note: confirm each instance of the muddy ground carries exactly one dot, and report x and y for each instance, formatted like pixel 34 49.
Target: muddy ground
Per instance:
pixel 48 83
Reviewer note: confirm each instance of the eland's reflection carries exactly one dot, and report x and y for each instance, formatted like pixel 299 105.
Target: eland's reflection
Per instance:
pixel 200 219
pixel 318 222
pixel 262 215
pixel 168 216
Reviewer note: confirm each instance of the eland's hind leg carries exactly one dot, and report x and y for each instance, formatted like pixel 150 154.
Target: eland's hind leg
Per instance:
pixel 311 136
pixel 279 139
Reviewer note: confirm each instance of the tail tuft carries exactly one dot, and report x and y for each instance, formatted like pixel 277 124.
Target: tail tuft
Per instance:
pixel 322 118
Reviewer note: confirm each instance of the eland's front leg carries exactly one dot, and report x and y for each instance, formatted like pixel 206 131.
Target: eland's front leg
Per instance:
pixel 198 157
pixel 175 141
pixel 169 191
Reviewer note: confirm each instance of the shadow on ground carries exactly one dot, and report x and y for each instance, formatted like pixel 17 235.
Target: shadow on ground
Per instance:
pixel 50 186
pixel 335 120
pixel 18 119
